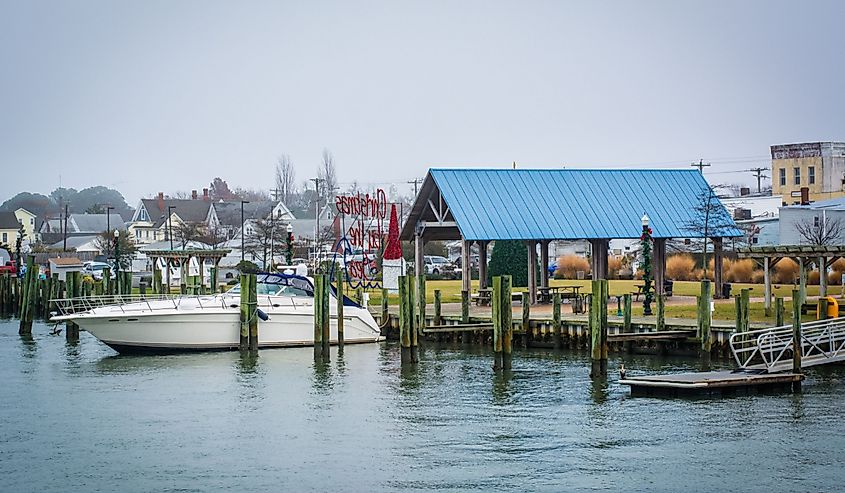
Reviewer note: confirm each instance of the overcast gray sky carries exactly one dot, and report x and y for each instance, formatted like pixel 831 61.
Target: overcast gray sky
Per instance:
pixel 165 95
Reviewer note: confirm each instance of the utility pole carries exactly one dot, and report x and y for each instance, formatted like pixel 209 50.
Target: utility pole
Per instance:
pixel 276 192
pixel 317 218
pixel 700 165
pixel 64 233
pixel 416 182
pixel 759 173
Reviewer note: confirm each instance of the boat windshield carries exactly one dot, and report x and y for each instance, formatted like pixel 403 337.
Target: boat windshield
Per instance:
pixel 280 285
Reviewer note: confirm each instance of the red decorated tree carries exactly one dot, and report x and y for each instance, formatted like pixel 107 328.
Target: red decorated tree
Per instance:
pixel 393 250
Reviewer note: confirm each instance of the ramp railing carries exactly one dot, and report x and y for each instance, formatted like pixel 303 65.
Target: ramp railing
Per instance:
pixel 822 342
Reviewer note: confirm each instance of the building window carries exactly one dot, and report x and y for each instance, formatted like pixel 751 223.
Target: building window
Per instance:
pixel 782 174
pixel 32 221
pixel 797 176
pixel 816 222
pixel 754 240
pixel 5 237
pixel 811 175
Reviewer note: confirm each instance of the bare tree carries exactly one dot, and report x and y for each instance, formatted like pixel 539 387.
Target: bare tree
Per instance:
pixel 266 238
pixel 214 236
pixel 327 175
pixel 709 219
pixel 188 231
pixel 251 194
pixel 820 230
pixel 285 178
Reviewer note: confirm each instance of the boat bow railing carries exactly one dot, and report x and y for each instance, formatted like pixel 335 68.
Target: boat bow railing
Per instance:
pixel 140 303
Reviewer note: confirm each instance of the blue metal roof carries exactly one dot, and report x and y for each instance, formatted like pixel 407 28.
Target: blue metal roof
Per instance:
pixel 517 204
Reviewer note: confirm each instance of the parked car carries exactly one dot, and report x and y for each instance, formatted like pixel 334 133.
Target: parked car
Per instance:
pixel 9 268
pixel 437 265
pixel 95 270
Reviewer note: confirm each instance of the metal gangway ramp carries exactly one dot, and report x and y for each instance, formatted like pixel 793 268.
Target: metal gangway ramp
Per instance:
pixel 771 350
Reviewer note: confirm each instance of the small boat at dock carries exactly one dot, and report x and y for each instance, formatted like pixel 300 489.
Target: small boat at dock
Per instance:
pixel 168 323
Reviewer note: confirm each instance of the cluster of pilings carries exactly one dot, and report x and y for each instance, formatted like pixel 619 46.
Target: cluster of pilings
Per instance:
pixel 593 334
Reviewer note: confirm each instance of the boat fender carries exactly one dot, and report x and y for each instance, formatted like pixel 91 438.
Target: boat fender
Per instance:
pixel 263 316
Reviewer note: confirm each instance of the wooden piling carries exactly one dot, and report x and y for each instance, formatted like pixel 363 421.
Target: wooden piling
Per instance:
pixel 243 343
pixel 437 314
pixel 779 311
pixel 556 320
pixel 745 320
pixel 420 310
pixel 797 345
pixel 412 309
pixel 526 319
pixel 598 329
pixel 502 323
pixel 339 307
pixel 661 312
pixel 821 308
pixel 626 320
pixel 385 309
pixel 404 321
pixel 29 296
pixel 464 307
pixel 253 308
pixel 108 285
pixel 704 319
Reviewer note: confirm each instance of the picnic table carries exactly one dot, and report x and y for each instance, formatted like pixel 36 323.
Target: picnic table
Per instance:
pixel 484 296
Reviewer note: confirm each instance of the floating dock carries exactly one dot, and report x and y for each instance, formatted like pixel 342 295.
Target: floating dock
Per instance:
pixel 715 383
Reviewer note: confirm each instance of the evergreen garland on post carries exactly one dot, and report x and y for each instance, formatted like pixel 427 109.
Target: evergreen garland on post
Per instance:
pixel 510 258
pixel 645 239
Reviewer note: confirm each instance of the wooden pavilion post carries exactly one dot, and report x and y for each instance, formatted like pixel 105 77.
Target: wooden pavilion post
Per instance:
pixel 532 272
pixel 717 266
pixel 599 256
pixel 482 264
pixel 419 257
pixel 466 277
pixel 802 279
pixel 659 267
pixel 822 264
pixel 544 263
pixel 767 286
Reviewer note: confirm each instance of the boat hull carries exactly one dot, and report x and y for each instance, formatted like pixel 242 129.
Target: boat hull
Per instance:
pixel 219 330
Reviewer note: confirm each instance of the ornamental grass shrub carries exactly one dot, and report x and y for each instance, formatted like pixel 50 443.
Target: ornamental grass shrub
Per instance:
pixel 680 267
pixel 785 272
pixel 739 270
pixel 568 266
pixel 614 266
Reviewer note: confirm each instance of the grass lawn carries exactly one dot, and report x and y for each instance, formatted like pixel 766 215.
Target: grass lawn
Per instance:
pixel 450 292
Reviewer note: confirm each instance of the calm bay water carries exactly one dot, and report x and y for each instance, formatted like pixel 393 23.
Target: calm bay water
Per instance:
pixel 81 418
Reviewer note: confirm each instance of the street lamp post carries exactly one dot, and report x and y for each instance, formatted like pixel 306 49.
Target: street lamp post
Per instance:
pixel 170 224
pixel 117 260
pixel 645 239
pixel 289 256
pixel 242 228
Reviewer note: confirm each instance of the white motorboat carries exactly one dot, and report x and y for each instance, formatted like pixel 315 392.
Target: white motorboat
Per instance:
pixel 181 323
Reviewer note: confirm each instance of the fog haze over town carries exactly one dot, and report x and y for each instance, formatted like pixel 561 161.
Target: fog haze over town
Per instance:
pixel 152 96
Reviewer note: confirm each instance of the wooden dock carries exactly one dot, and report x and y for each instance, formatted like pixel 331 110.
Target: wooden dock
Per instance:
pixel 725 382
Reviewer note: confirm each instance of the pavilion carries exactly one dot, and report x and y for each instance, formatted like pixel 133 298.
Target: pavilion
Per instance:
pixel 542 205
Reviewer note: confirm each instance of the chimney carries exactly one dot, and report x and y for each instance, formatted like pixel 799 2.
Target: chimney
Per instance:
pixel 744 191
pixel 161 201
pixel 193 195
pixel 205 194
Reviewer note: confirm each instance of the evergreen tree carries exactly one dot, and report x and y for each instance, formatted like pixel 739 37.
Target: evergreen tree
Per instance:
pixel 510 258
